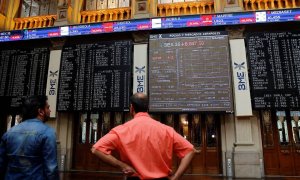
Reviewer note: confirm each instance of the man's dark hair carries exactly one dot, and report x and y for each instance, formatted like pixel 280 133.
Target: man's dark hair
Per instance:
pixel 139 102
pixel 31 105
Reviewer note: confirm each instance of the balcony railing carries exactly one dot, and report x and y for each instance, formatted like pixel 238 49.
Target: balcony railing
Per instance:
pixel 106 15
pixel 253 5
pixel 34 22
pixel 186 8
pixel 172 9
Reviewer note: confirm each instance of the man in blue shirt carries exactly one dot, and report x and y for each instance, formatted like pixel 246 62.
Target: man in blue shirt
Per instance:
pixel 28 150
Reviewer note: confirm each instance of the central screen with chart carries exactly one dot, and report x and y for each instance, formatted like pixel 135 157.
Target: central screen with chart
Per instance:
pixel 189 72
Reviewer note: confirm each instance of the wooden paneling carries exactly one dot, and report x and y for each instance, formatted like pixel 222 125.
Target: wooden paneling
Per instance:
pixel 206 161
pixel 83 159
pixel 198 163
pixel 271 162
pixel 280 158
pixel 212 161
pixel 297 160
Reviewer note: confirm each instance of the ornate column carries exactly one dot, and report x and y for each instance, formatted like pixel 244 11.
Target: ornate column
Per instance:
pixel 247 149
pixel 74 9
pixel 219 6
pixel 12 9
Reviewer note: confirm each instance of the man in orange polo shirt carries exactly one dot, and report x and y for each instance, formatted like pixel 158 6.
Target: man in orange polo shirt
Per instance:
pixel 145 146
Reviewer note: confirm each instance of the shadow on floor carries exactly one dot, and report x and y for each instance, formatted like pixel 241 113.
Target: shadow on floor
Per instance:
pixel 87 175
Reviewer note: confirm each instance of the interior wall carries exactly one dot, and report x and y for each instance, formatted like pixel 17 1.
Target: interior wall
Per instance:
pixel 63 125
pixel 227 140
pixel 247 154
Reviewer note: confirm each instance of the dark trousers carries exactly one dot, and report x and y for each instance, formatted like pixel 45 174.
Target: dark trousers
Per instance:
pixel 137 178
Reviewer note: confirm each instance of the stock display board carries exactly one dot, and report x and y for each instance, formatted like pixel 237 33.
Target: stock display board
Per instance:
pixel 274 59
pixel 95 76
pixel 23 72
pixel 189 72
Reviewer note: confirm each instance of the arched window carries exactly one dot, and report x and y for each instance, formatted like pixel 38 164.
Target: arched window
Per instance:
pixel 92 5
pixel 38 7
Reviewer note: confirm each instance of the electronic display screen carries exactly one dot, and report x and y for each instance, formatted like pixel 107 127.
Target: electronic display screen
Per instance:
pixel 189 72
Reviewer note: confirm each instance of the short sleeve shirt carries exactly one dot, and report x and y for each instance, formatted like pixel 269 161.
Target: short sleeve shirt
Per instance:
pixel 145 144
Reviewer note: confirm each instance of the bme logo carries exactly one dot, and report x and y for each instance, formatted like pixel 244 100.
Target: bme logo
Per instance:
pixel 140 70
pixel 241 76
pixel 53 82
pixel 240 66
pixel 53 74
pixel 140 79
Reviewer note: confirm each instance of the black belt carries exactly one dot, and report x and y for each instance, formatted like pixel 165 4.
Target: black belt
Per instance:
pixel 137 178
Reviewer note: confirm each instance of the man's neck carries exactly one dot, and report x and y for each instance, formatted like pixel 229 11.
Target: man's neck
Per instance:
pixel 40 118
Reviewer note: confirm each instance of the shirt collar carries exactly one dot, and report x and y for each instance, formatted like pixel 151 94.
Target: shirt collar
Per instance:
pixel 139 114
pixel 33 120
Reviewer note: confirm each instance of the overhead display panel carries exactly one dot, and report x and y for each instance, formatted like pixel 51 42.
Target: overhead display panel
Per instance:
pixel 95 77
pixel 219 19
pixel 274 59
pixel 189 72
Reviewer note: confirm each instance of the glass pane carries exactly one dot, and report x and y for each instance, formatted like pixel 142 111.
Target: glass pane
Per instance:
pixel 112 4
pixel 184 125
pixel 267 128
pixel 91 5
pixel 296 125
pixel 18 119
pixel 282 128
pixel 157 117
pixel 13 120
pixel 101 4
pixel 61 3
pixel 105 123
pixel 170 120
pixel 211 131
pixel 93 136
pixel 34 9
pixel 127 117
pixel 124 3
pixel 25 8
pixel 53 7
pixel 196 130
pixel 8 121
pixel 83 121
pixel 118 119
pixel 44 8
pixel 164 1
